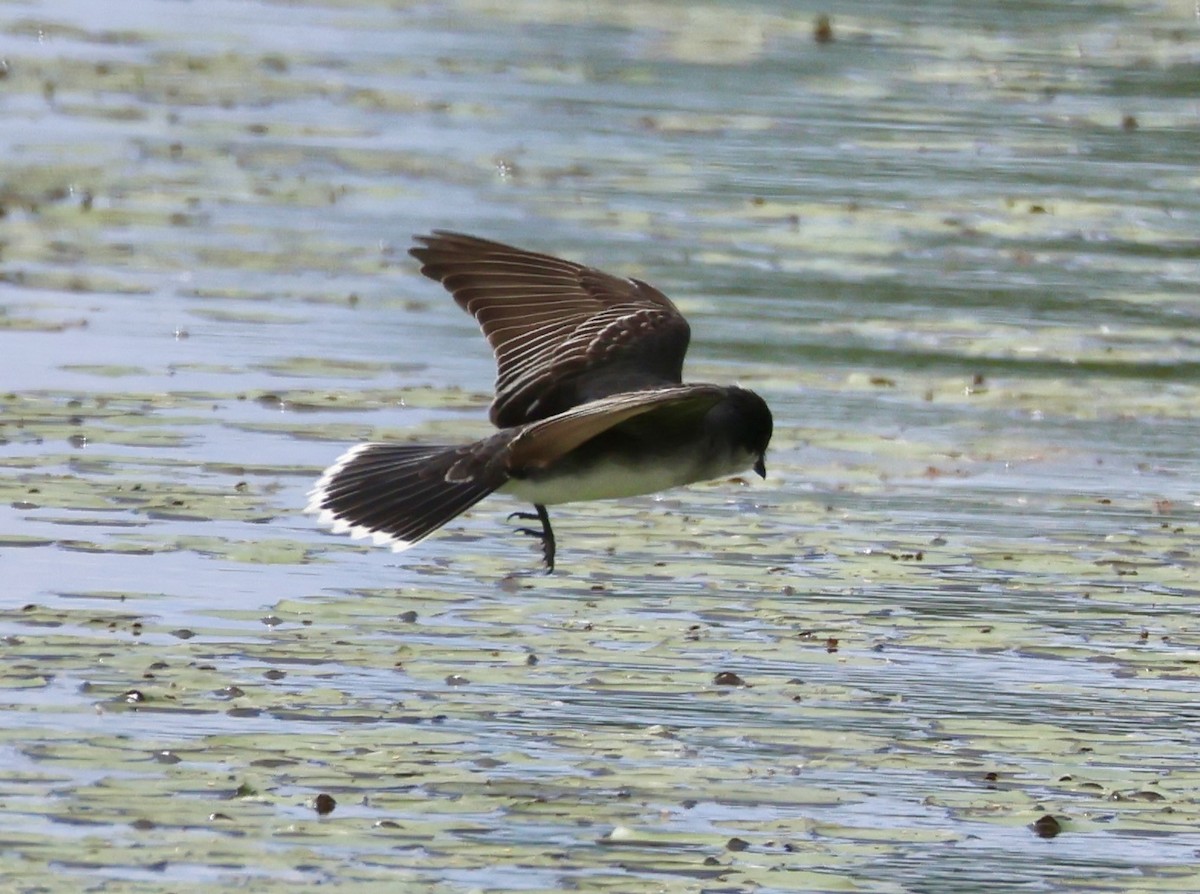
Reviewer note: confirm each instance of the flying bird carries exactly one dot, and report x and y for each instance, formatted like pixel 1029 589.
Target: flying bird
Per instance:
pixel 590 403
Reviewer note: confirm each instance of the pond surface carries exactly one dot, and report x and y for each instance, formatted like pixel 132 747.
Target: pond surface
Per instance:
pixel 956 248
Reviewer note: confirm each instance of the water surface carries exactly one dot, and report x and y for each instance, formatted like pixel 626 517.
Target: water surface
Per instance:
pixel 955 248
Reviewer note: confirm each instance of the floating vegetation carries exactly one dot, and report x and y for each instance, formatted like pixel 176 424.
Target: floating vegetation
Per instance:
pixel 956 624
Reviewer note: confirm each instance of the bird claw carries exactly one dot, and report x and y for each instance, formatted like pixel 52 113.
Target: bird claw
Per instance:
pixel 546 534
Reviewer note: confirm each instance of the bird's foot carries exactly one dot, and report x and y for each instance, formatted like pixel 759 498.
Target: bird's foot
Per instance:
pixel 546 534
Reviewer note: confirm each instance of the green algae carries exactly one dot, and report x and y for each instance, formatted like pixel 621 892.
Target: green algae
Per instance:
pixel 963 600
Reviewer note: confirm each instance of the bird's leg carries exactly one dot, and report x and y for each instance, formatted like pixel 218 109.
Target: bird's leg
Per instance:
pixel 546 534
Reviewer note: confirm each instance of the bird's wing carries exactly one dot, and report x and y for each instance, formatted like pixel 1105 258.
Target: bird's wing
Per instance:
pixel 542 443
pixel 563 334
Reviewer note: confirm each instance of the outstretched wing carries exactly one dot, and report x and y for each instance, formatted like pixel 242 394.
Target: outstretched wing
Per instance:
pixel 563 334
pixel 542 443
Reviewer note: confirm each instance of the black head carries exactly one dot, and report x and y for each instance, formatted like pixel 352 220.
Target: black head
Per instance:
pixel 749 424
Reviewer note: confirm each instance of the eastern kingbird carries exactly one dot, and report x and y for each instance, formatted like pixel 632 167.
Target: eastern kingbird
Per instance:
pixel 589 403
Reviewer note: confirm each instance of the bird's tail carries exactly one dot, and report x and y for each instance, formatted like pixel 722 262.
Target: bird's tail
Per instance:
pixel 399 494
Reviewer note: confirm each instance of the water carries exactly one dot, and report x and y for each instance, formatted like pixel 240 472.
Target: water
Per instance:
pixel 956 251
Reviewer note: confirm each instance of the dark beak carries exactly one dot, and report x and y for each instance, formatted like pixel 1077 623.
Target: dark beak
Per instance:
pixel 760 467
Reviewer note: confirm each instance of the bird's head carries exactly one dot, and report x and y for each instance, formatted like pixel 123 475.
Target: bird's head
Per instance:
pixel 752 423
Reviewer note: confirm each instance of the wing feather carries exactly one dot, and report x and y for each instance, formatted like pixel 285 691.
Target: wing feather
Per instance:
pixel 563 334
pixel 541 443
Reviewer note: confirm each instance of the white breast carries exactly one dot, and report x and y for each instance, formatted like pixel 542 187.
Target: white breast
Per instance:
pixel 606 481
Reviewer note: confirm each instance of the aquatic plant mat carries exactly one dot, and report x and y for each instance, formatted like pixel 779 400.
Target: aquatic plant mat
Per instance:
pixel 949 645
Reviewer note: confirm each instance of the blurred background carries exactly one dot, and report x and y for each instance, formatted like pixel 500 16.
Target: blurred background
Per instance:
pixel 956 246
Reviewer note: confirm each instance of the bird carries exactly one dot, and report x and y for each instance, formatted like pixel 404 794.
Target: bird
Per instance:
pixel 589 404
